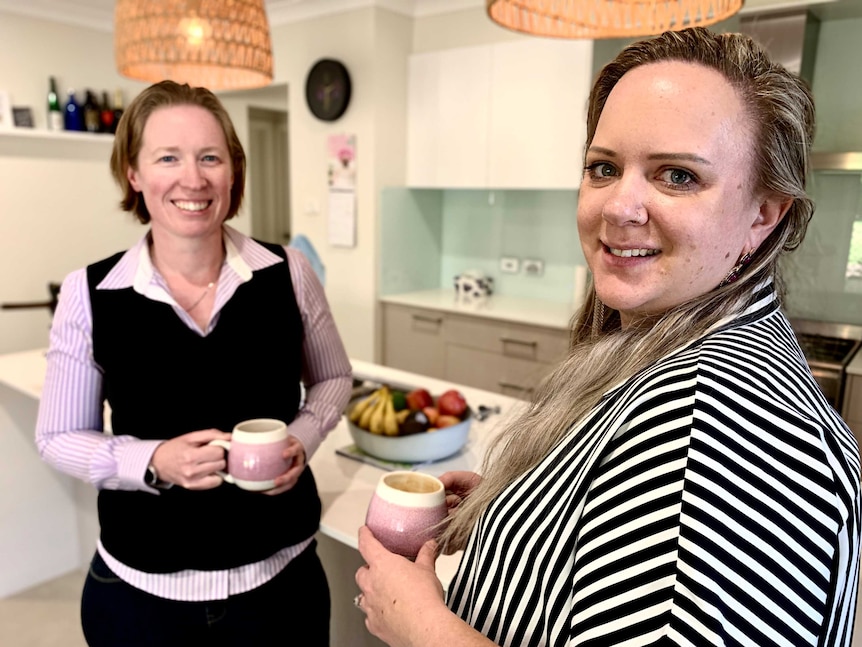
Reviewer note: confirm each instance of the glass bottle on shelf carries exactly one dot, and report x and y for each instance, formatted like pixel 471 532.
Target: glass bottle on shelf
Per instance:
pixel 55 112
pixel 73 118
pixel 106 116
pixel 90 111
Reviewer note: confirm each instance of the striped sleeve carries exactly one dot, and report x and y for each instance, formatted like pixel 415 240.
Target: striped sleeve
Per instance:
pixel 697 507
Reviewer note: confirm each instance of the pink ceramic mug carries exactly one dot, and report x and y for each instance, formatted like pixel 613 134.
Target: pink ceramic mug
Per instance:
pixel 404 510
pixel 255 453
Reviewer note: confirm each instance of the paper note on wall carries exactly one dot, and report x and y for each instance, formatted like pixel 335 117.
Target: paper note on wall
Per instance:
pixel 341 160
pixel 342 218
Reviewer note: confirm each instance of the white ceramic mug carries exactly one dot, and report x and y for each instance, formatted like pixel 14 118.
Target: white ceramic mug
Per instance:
pixel 405 509
pixel 255 453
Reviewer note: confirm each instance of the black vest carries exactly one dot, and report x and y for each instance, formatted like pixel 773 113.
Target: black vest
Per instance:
pixel 162 380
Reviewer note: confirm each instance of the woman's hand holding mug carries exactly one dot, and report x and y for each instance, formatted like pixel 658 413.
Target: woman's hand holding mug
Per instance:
pixel 258 452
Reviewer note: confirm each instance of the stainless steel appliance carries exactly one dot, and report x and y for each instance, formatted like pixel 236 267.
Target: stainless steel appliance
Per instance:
pixel 828 348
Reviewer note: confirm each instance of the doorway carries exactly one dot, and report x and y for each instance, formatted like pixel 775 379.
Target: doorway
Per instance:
pixel 269 175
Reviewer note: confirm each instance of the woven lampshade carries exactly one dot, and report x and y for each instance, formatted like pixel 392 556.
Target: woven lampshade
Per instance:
pixel 607 18
pixel 218 44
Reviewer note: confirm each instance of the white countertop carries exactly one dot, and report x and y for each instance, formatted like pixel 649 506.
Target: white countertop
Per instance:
pixel 345 485
pixel 533 312
pixel 24 372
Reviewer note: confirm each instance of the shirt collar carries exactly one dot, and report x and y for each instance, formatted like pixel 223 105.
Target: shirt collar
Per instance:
pixel 135 269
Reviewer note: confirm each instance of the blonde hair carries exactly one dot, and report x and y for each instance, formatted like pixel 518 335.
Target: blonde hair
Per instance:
pixel 601 353
pixel 130 135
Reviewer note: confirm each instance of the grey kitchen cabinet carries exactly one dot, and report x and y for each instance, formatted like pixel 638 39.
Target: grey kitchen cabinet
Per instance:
pixel 413 340
pixel 499 356
pixel 852 412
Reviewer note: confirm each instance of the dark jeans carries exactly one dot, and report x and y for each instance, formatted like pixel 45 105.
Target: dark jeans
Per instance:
pixel 290 609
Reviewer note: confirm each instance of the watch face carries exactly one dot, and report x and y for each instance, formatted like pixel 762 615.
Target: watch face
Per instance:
pixel 327 89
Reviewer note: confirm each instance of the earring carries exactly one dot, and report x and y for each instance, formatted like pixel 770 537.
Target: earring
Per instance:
pixel 599 310
pixel 736 270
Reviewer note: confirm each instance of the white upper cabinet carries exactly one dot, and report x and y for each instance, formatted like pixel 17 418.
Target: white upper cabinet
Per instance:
pixel 508 115
pixel 447 133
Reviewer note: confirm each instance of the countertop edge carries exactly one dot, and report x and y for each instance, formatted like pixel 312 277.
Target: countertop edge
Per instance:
pixel 515 310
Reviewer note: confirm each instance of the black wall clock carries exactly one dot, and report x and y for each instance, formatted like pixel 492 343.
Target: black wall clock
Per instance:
pixel 327 89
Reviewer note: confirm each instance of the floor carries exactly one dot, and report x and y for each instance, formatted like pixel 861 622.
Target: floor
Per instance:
pixel 48 616
pixel 44 616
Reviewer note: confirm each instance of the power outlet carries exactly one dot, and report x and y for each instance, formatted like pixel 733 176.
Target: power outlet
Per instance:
pixel 509 265
pixel 534 267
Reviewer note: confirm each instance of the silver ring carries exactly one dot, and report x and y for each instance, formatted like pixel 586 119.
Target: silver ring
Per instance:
pixel 357 602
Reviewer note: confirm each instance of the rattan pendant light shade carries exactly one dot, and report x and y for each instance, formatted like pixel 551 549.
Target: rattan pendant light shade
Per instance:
pixel 607 18
pixel 218 44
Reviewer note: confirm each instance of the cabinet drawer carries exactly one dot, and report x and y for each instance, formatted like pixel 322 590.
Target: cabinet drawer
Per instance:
pixel 853 398
pixel 510 340
pixel 413 340
pixel 491 371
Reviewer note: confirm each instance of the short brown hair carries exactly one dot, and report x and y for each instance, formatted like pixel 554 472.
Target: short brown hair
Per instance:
pixel 130 134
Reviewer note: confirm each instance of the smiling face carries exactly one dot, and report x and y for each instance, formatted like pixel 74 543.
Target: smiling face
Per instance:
pixel 667 202
pixel 183 171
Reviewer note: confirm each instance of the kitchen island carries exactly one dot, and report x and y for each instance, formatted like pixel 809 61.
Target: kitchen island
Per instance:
pixel 49 523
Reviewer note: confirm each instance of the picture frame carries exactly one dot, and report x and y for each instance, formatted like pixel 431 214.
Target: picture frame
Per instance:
pixel 6 120
pixel 22 116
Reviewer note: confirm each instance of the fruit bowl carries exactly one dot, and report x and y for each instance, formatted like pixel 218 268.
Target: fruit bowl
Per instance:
pixel 419 447
pixel 415 448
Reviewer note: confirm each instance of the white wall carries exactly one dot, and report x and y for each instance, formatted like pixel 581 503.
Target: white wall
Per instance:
pixel 60 214
pixel 58 204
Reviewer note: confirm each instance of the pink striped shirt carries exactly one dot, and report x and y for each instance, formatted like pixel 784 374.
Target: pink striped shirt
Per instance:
pixel 70 431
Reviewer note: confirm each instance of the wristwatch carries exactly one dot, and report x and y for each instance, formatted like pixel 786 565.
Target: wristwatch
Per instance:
pixel 151 478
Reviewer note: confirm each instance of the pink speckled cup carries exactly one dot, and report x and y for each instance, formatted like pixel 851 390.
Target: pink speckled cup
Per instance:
pixel 254 453
pixel 404 509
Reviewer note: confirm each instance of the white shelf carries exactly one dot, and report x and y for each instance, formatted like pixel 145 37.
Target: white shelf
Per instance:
pixel 40 143
pixel 42 134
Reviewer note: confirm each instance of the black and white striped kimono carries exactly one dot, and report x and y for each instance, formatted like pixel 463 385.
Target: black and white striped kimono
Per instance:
pixel 713 499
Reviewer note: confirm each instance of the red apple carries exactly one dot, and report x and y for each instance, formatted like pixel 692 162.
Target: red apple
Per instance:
pixel 432 414
pixel 452 403
pixel 447 421
pixel 418 399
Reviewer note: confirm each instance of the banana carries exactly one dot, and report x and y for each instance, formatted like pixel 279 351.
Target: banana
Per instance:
pixel 401 416
pixel 376 424
pixel 365 417
pixel 390 422
pixel 360 407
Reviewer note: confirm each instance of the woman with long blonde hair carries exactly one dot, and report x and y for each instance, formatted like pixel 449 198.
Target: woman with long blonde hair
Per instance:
pixel 679 479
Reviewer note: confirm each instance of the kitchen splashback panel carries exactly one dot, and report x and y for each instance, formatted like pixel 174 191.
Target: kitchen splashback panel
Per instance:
pixel 430 236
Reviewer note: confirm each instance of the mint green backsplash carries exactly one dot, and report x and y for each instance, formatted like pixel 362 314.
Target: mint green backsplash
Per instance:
pixel 472 230
pixel 837 89
pixel 410 240
pixel 821 281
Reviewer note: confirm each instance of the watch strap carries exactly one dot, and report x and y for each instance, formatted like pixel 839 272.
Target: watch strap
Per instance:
pixel 151 478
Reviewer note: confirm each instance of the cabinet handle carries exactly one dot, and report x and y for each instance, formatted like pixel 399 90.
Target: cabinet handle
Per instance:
pixel 510 340
pixel 515 387
pixel 434 320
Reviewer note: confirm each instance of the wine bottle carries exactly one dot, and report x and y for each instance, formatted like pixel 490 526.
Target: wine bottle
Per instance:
pixel 118 108
pixel 73 119
pixel 106 116
pixel 90 111
pixel 55 112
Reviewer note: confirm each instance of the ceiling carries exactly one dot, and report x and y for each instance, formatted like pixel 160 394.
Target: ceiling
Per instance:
pixel 99 14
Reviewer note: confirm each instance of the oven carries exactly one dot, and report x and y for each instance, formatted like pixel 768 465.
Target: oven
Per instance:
pixel 828 348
